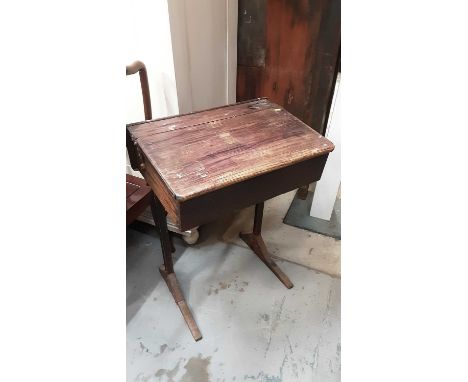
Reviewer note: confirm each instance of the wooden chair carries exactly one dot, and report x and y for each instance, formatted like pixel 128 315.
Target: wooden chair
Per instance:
pixel 139 194
pixel 189 236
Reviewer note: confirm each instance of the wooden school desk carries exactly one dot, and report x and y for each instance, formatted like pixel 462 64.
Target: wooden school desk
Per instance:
pixel 201 165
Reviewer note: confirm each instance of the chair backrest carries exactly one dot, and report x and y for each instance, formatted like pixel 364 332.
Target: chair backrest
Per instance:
pixel 140 68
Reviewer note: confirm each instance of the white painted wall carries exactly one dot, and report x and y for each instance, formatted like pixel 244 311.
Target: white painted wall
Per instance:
pixel 327 187
pixel 149 40
pixel 189 48
pixel 204 37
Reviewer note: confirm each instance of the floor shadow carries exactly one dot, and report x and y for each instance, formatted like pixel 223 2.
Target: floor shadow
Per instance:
pixel 144 256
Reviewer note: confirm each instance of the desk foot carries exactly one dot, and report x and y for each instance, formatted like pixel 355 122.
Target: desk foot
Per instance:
pixel 256 244
pixel 176 292
pixel 255 241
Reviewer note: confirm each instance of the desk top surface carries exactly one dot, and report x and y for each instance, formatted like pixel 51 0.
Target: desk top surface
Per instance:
pixel 204 151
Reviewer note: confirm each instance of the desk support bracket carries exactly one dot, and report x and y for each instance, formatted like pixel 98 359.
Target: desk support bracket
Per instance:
pixel 167 270
pixel 255 241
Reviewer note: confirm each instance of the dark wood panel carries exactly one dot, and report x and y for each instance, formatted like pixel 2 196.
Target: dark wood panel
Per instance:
pixel 324 69
pixel 251 38
pixel 301 47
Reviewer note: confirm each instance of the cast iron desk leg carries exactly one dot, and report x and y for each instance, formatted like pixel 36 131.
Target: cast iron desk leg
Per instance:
pixel 167 270
pixel 255 241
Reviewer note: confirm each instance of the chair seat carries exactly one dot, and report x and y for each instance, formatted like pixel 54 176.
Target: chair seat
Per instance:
pixel 138 197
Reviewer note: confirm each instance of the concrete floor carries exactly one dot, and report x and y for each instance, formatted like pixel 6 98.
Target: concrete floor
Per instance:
pixel 299 246
pixel 253 327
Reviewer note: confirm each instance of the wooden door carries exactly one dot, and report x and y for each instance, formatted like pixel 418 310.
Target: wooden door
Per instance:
pixel 288 51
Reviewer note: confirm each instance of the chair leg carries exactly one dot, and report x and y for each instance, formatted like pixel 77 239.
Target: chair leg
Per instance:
pixel 167 270
pixel 255 241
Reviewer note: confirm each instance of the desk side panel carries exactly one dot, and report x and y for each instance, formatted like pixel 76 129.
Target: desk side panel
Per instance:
pixel 162 192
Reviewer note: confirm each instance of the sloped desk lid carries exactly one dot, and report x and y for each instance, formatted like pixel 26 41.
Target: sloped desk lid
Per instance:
pixel 201 152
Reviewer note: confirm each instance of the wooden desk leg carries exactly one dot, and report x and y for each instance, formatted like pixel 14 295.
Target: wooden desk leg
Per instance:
pixel 171 242
pixel 167 270
pixel 255 241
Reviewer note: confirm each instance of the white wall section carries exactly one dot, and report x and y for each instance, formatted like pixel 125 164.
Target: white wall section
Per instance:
pixel 149 40
pixel 204 38
pixel 189 48
pixel 327 187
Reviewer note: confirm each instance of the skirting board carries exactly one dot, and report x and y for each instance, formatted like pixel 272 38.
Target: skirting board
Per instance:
pixel 298 216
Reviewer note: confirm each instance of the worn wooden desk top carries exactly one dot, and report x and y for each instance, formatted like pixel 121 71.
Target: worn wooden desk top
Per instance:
pixel 201 152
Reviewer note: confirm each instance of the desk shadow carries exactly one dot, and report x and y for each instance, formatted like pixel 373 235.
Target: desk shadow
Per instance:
pixel 144 256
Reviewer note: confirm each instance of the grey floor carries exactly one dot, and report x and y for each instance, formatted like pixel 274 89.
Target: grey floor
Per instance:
pixel 253 327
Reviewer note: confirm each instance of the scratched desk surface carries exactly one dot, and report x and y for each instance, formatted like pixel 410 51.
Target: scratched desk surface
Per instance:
pixel 208 150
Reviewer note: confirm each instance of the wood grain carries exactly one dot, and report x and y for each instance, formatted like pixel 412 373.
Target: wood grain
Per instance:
pixel 161 190
pixel 301 41
pixel 199 153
